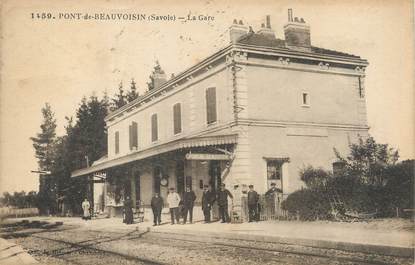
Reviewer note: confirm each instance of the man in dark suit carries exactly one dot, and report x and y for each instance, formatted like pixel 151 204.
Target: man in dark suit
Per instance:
pixel 222 196
pixel 189 198
pixel 253 198
pixel 157 206
pixel 208 198
pixel 273 190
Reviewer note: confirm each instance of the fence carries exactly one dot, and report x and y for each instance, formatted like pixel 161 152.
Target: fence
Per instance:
pixel 269 208
pixel 16 213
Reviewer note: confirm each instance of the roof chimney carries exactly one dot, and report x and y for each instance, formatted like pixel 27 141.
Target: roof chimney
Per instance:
pixel 266 29
pixel 237 30
pixel 297 33
pixel 157 77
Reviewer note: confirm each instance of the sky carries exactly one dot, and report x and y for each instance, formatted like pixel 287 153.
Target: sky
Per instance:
pixel 61 60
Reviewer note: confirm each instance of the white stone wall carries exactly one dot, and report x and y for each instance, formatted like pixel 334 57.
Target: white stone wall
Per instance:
pixel 310 148
pixel 193 111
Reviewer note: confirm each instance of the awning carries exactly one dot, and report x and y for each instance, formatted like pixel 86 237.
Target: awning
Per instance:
pixel 156 150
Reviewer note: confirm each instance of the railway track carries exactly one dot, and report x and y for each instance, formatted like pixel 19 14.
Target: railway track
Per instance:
pixel 92 249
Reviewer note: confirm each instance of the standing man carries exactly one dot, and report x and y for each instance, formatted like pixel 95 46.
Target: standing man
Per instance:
pixel 253 198
pixel 223 195
pixel 272 198
pixel 157 206
pixel 85 208
pixel 208 198
pixel 189 198
pixel 128 211
pixel 173 199
pixel 273 190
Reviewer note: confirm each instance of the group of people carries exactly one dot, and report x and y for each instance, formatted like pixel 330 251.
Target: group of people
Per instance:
pixel 184 206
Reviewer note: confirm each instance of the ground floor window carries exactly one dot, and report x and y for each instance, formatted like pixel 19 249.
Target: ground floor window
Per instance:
pixel 275 172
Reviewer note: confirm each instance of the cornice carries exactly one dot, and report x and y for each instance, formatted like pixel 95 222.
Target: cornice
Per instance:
pixel 205 65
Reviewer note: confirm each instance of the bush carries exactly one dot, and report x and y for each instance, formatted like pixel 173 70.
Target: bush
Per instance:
pixel 310 204
pixel 315 178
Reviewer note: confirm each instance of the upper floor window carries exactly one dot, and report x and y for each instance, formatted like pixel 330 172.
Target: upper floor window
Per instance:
pixel 154 128
pixel 117 142
pixel 211 115
pixel 305 99
pixel 177 118
pixel 133 131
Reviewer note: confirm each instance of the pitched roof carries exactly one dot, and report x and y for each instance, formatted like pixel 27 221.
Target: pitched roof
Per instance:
pixel 266 41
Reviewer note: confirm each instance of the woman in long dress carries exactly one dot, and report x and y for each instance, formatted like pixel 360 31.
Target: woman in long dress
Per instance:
pixel 85 207
pixel 128 211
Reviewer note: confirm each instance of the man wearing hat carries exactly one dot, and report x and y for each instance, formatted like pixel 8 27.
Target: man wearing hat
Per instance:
pixel 157 206
pixel 173 199
pixel 253 198
pixel 272 197
pixel 208 198
pixel 189 198
pixel 273 190
pixel 223 195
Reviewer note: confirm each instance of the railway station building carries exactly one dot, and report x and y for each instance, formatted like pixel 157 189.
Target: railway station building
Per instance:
pixel 255 112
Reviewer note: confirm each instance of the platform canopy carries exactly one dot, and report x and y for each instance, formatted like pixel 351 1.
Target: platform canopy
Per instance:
pixel 105 163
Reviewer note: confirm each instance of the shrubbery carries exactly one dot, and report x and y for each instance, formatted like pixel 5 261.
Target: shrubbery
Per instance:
pixel 370 181
pixel 308 203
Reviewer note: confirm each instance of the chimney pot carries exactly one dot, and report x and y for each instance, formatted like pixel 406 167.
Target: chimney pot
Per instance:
pixel 266 29
pixel 237 30
pixel 297 34
pixel 268 21
pixel 290 15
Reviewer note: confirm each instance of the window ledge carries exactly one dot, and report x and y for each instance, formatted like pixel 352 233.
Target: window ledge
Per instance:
pixel 305 106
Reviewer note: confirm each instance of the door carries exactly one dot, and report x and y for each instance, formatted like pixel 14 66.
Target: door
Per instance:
pixel 214 182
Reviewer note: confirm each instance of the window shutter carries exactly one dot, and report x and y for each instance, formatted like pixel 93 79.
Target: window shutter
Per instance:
pixel 177 119
pixel 134 129
pixel 211 105
pixel 117 142
pixel 130 133
pixel 154 129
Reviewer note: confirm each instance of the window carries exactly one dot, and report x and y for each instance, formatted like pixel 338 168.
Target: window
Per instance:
pixel 154 129
pixel 274 172
pixel 177 118
pixel 117 142
pixel 211 105
pixel 133 135
pixel 305 99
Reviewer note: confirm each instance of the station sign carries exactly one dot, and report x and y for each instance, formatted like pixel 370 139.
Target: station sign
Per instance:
pixel 193 156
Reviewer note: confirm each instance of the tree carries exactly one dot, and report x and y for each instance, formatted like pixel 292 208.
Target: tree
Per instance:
pixel 369 160
pixel 132 94
pixel 315 178
pixel 371 180
pixel 86 137
pixel 119 99
pixel 43 142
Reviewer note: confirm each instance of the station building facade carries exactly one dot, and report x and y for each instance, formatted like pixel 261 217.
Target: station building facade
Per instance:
pixel 255 112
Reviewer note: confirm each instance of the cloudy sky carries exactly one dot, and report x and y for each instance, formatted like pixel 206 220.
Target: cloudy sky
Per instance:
pixel 59 61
